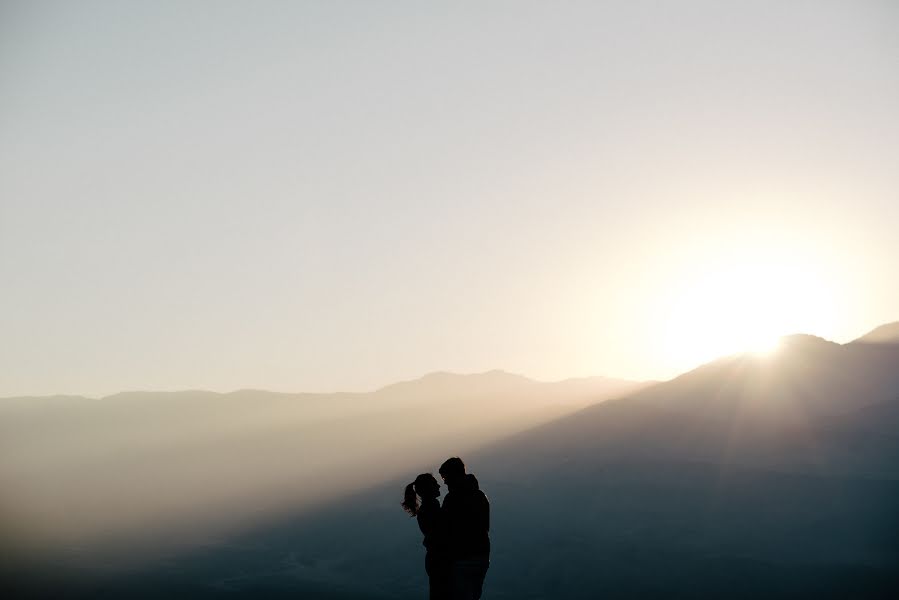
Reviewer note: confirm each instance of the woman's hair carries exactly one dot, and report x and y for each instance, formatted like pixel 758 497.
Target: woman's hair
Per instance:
pixel 410 501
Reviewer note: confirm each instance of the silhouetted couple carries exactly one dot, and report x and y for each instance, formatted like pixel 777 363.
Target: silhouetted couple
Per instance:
pixel 456 534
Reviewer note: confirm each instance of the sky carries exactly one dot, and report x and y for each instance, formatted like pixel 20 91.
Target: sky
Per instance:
pixel 328 196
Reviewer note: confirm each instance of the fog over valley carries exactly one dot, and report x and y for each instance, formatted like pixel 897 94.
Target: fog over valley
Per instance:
pixel 157 471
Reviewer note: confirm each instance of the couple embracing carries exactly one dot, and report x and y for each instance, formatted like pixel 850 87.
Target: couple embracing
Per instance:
pixel 456 534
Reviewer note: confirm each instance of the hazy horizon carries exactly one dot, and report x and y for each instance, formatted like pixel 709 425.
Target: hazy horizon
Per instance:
pixel 420 377
pixel 377 388
pixel 324 197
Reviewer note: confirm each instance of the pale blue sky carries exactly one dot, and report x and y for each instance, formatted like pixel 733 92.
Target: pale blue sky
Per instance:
pixel 338 195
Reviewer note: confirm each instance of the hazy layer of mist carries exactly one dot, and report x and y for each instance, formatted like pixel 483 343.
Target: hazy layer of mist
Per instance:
pixel 154 472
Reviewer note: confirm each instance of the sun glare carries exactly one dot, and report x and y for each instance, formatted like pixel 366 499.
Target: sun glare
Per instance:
pixel 743 304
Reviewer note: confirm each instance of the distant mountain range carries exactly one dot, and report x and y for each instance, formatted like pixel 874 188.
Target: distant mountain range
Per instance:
pixel 748 477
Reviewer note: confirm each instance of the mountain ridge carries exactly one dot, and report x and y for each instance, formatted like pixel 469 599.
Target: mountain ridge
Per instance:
pixel 497 375
pixel 887 333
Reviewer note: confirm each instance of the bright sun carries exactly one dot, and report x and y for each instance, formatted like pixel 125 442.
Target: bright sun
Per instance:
pixel 743 304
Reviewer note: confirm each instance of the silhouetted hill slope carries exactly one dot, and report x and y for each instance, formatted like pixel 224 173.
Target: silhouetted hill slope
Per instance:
pixel 807 373
pixel 760 477
pixel 885 334
pixel 791 411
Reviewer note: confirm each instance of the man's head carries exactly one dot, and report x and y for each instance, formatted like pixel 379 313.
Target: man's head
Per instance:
pixel 452 470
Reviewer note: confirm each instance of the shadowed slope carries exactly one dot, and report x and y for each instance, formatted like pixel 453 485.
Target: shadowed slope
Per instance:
pixel 747 477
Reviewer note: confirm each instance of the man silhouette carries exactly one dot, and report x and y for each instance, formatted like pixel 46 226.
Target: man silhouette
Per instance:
pixel 466 514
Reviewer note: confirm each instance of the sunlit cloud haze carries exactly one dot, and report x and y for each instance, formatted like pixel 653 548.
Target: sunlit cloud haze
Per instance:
pixel 335 196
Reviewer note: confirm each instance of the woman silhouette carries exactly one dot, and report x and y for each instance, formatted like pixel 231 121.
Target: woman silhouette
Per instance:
pixel 430 521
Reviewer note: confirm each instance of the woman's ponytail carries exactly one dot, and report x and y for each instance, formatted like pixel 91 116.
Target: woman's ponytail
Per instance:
pixel 410 500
